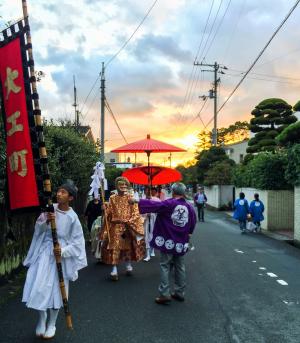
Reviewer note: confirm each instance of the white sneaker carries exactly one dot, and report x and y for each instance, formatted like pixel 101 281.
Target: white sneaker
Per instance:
pixel 152 253
pixel 147 259
pixel 50 332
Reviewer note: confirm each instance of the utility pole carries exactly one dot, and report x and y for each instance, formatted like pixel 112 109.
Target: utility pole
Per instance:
pixel 75 104
pixel 102 121
pixel 213 94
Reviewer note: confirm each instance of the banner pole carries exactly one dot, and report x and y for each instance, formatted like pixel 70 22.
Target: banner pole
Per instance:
pixel 44 162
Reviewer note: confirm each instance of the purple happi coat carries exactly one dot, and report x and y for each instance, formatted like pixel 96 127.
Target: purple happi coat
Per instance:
pixel 175 220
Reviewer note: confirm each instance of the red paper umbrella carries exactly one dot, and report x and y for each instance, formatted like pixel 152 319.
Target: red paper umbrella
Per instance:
pixel 158 175
pixel 148 145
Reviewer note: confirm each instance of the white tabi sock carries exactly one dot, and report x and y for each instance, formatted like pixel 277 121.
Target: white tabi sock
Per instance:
pixel 129 266
pixel 114 270
pixel 50 332
pixel 147 257
pixel 41 326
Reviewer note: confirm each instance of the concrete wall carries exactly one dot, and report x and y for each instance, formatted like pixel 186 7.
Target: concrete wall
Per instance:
pixel 297 214
pixel 279 207
pixel 218 196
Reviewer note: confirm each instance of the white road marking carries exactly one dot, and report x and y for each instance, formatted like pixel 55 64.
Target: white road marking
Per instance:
pixel 288 302
pixel 272 275
pixel 260 274
pixel 262 268
pixel 254 261
pixel 282 282
pixel 238 251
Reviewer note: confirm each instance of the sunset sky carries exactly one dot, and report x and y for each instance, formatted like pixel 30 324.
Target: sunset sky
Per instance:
pixel 147 83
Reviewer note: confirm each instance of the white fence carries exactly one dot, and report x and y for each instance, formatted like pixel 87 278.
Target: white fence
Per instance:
pixel 218 196
pixel 297 215
pixel 279 207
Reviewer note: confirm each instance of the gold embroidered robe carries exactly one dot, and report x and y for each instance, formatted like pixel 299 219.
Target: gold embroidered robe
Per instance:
pixel 123 235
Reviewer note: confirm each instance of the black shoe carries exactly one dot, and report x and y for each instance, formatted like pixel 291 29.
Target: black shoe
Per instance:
pixel 161 300
pixel 177 297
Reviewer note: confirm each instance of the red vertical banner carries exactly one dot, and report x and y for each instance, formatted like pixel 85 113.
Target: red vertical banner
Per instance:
pixel 22 186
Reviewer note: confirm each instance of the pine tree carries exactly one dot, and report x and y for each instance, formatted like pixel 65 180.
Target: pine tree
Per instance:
pixel 271 117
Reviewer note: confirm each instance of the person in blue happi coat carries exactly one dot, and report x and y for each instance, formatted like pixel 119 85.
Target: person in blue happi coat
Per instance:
pixel 241 211
pixel 256 210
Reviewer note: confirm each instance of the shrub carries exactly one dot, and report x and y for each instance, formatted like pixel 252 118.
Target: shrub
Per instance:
pixel 292 173
pixel 264 171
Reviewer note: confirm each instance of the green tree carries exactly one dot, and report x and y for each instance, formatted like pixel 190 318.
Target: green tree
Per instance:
pixel 111 173
pixel 219 174
pixel 204 140
pixel 271 116
pixel 206 159
pixel 70 156
pixel 290 135
pixel 189 174
pixel 292 173
pixel 236 132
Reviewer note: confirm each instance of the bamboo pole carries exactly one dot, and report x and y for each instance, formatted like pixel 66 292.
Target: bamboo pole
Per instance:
pixel 43 158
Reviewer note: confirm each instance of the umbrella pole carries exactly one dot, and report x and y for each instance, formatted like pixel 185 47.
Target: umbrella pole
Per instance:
pixel 149 173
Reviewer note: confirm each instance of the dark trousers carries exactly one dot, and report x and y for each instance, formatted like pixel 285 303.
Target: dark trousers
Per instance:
pixel 200 208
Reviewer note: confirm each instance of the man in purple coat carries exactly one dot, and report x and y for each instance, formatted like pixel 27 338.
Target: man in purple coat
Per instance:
pixel 175 222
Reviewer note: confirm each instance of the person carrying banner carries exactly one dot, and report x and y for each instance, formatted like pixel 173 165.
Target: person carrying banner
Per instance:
pixel 41 290
pixel 122 235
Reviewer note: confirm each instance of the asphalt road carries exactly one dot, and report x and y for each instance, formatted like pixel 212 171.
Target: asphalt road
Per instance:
pixel 230 296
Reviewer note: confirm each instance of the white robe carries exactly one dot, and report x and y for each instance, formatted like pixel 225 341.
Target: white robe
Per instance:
pixel 149 220
pixel 41 289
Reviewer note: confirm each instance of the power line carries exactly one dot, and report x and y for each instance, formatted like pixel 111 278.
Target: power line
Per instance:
pixel 115 120
pixel 134 32
pixel 89 93
pixel 198 115
pixel 266 75
pixel 195 84
pixel 218 28
pixel 192 75
pixel 211 29
pixel 91 105
pixel 257 58
pixel 262 79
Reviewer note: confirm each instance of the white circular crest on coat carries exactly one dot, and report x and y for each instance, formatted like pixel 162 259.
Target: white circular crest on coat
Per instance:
pixel 169 244
pixel 241 202
pixel 159 241
pixel 180 216
pixel 257 203
pixel 179 247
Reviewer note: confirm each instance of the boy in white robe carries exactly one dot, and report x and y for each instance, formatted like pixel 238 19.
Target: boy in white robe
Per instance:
pixel 149 223
pixel 41 291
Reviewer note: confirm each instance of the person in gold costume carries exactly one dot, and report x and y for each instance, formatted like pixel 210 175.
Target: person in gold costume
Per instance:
pixel 123 233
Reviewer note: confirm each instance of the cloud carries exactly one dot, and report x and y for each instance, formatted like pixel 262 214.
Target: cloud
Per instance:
pixel 149 46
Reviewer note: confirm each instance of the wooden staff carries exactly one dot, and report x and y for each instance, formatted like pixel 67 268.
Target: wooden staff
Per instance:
pixel 44 163
pixel 104 211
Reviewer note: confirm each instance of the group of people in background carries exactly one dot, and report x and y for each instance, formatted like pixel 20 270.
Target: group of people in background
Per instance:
pixel 249 214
